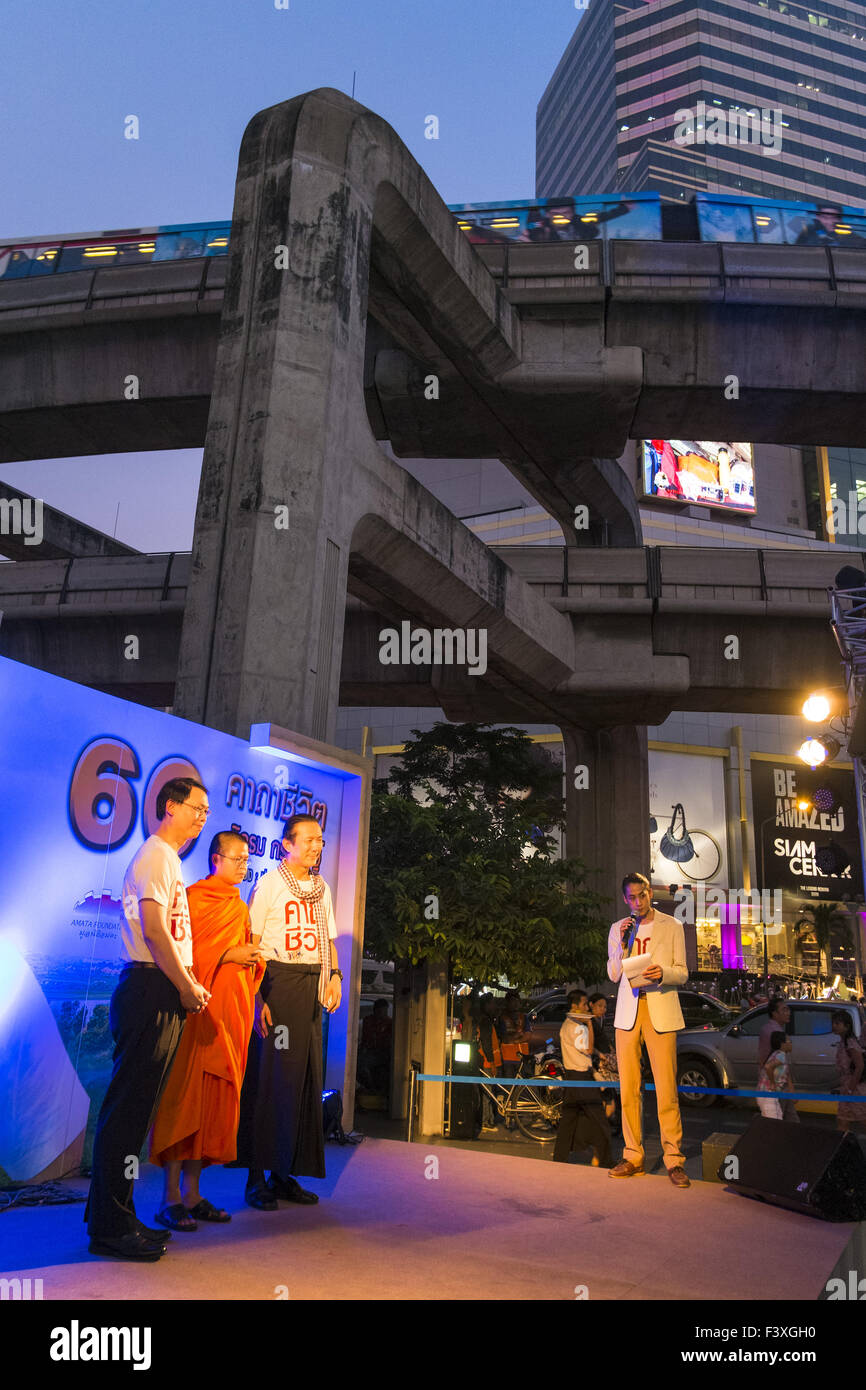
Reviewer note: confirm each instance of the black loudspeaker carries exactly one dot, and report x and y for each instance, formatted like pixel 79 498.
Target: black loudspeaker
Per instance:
pixel 463 1112
pixel 820 1172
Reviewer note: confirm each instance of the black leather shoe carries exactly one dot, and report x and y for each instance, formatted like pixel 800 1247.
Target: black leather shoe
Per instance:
pixel 153 1235
pixel 260 1198
pixel 128 1247
pixel 290 1190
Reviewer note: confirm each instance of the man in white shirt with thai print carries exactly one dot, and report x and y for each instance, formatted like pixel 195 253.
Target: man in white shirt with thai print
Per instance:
pixel 292 919
pixel 648 1011
pixel 155 992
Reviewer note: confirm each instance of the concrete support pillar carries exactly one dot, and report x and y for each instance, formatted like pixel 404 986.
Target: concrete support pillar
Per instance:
pixel 435 1021
pixel 420 1019
pixel 278 501
pixel 607 804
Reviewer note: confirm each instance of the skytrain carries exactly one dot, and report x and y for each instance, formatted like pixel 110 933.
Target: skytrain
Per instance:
pixel 713 217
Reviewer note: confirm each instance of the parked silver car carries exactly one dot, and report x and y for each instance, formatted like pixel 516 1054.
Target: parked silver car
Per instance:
pixel 728 1057
pixel 699 1010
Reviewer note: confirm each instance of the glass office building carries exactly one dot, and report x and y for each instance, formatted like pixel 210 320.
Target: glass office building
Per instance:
pixel 608 118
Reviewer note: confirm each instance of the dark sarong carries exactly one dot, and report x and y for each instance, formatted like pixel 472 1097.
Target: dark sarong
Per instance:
pixel 582 1123
pixel 281 1102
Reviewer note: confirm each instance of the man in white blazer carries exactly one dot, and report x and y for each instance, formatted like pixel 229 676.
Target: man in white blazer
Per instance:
pixel 648 1011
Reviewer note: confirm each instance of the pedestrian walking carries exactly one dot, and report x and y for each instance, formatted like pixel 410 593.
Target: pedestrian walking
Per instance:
pixel 850 1065
pixel 775 1076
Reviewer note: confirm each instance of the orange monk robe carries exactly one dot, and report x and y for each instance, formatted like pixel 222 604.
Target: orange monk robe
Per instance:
pixel 200 1107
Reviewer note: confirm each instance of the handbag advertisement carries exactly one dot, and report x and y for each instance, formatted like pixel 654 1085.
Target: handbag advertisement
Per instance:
pixel 688 832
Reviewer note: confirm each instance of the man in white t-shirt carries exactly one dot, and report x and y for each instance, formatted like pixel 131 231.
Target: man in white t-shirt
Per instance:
pixel 582 1122
pixel 155 991
pixel 292 919
pixel 648 1012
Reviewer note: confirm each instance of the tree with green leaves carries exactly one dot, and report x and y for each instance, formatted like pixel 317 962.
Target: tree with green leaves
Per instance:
pixel 822 920
pixel 464 863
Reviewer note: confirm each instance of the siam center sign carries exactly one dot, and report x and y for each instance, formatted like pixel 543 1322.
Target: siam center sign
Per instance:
pixel 815 850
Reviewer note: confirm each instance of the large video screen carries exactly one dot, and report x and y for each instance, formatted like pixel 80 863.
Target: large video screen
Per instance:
pixel 699 471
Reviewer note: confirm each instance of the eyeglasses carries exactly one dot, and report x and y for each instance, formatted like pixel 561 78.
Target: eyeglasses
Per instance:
pixel 201 811
pixel 234 858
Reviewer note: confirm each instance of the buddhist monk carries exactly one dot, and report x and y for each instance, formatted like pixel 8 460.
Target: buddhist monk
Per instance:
pixel 197 1120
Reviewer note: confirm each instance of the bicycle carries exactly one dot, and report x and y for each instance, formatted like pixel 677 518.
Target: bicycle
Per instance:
pixel 535 1109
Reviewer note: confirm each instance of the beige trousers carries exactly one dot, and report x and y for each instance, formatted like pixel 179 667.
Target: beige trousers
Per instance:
pixel 662 1049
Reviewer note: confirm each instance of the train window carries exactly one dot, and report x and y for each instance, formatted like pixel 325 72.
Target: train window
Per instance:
pixel 217 241
pixel 825 228
pixel 799 228
pixel 858 232
pixel 633 220
pixel 769 224
pixel 15 262
pixel 135 252
pixel 83 257
pixel 725 222
pixel 44 260
pixel 178 246
pixel 18 261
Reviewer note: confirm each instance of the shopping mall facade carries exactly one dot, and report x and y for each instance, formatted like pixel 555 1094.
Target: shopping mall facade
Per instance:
pixel 736 776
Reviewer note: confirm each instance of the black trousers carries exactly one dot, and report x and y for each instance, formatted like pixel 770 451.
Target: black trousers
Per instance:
pixel 146 1019
pixel 281 1101
pixel 583 1123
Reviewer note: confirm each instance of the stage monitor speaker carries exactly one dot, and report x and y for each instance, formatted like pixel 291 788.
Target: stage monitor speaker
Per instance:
pixel 820 1172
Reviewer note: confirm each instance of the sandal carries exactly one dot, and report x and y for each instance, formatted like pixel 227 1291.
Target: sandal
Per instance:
pixel 206 1211
pixel 176 1218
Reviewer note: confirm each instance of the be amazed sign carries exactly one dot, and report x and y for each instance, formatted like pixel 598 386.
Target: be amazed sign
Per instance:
pixel 816 850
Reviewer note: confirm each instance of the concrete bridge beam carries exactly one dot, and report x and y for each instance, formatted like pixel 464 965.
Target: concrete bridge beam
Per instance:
pixel 60 537
pixel 65 393
pixel 534 421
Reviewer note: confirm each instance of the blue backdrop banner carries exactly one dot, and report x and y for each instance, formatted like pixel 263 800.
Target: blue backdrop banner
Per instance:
pixel 81 774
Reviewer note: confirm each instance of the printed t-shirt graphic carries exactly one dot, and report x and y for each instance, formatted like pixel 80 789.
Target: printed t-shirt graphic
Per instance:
pixel 286 923
pixel 155 872
pixel 642 943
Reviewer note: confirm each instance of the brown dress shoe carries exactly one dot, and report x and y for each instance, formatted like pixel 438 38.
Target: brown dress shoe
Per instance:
pixel 627 1170
pixel 678 1177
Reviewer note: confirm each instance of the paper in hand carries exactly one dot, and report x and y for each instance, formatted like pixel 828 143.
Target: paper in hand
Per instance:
pixel 633 968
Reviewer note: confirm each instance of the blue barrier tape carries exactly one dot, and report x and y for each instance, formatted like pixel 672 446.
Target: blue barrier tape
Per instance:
pixel 614 1085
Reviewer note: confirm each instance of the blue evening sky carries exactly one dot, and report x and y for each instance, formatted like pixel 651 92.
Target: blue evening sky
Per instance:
pixel 195 73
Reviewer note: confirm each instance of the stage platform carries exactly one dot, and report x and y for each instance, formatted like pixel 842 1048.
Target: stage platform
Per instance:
pixel 490 1226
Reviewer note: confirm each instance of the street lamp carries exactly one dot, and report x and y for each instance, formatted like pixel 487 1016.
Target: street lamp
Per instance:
pixel 816 708
pixel 819 750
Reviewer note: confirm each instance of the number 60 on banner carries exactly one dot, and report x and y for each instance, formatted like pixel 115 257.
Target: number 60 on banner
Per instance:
pixel 103 798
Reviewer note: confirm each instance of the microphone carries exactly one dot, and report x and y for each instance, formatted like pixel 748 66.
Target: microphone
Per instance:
pixel 626 930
